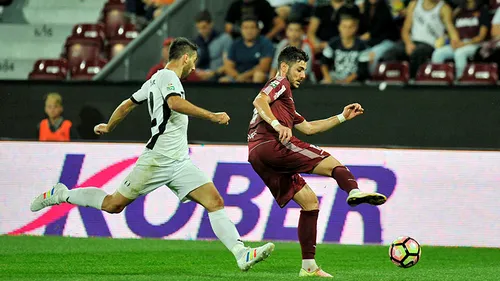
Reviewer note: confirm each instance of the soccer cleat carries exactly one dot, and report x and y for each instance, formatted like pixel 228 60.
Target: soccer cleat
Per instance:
pixel 255 255
pixel 317 273
pixel 360 197
pixel 49 198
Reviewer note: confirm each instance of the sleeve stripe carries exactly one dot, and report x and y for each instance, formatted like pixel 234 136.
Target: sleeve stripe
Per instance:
pixel 267 90
pixel 135 101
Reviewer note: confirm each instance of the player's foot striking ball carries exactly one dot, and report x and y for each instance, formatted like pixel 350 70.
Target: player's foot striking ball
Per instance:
pixel 279 158
pixel 405 252
pixel 165 160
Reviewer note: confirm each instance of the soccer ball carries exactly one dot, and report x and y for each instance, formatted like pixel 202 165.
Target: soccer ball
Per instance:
pixel 405 252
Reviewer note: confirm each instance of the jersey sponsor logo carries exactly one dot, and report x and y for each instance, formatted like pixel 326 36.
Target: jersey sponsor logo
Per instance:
pixel 252 135
pixel 274 84
pixel 170 87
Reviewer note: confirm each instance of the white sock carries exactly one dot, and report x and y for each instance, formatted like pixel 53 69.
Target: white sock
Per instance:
pixel 227 233
pixel 86 197
pixel 309 265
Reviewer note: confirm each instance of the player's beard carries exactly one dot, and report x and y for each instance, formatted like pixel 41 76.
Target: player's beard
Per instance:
pixel 185 72
pixel 290 80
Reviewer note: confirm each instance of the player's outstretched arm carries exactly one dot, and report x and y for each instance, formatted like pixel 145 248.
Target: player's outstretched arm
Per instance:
pixel 319 126
pixel 261 103
pixel 183 106
pixel 118 115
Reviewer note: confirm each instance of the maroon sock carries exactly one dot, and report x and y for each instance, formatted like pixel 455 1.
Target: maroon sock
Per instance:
pixel 344 178
pixel 307 233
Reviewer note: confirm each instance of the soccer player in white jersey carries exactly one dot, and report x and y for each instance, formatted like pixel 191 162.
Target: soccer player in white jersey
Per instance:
pixel 165 160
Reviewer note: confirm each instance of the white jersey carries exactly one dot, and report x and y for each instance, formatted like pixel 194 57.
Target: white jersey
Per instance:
pixel 427 25
pixel 168 128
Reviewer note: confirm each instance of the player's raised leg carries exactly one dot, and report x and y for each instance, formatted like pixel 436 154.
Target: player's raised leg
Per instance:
pixel 307 230
pixel 331 167
pixel 86 196
pixel 208 196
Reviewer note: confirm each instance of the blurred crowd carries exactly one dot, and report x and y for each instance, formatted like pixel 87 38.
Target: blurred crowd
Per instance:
pixel 345 40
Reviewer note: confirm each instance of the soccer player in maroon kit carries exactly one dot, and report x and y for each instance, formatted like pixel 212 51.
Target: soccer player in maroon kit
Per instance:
pixel 279 158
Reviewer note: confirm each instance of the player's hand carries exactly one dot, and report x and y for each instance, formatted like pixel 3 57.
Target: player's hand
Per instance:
pixel 220 118
pixel 101 129
pixel 285 133
pixel 352 110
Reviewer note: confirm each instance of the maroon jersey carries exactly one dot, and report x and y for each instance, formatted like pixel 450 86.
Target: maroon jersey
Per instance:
pixel 282 106
pixel 469 22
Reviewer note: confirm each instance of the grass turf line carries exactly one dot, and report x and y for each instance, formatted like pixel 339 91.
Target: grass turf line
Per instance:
pixel 75 259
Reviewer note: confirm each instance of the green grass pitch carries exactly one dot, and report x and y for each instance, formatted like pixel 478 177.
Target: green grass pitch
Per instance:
pixel 75 259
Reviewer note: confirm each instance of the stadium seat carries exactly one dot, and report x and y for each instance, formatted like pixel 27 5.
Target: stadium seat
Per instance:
pixel 113 16
pixel 87 69
pixel 435 73
pixel 392 72
pixel 78 49
pixel 124 35
pixel 480 73
pixel 88 30
pixel 49 69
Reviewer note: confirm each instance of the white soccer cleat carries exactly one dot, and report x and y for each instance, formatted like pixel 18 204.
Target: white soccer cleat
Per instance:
pixel 360 197
pixel 255 255
pixel 317 273
pixel 50 198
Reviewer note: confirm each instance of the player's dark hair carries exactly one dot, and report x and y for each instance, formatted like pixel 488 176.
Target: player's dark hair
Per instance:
pixel 203 16
pixel 181 46
pixel 348 17
pixel 295 20
pixel 291 55
pixel 250 18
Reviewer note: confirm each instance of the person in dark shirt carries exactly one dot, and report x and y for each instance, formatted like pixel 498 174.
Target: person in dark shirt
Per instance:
pixel 269 22
pixel 249 58
pixel 323 25
pixel 472 23
pixel 341 58
pixel 212 47
pixel 378 29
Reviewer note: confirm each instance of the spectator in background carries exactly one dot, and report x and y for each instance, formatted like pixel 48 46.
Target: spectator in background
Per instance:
pixel 490 51
pixel 269 22
pixel 324 23
pixel 249 58
pixel 302 10
pixel 164 58
pixel 472 22
pixel 212 48
pixel 282 8
pixel 424 26
pixel 294 37
pixel 341 58
pixel 55 127
pixel 378 29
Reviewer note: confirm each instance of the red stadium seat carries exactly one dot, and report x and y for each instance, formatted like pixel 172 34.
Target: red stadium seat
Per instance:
pixel 78 49
pixel 49 69
pixel 113 16
pixel 392 72
pixel 124 35
pixel 87 69
pixel 435 73
pixel 480 73
pixel 88 30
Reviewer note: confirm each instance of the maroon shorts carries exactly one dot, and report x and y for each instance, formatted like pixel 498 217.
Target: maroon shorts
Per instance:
pixel 279 165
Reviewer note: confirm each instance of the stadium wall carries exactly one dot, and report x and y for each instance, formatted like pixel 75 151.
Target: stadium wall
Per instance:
pixel 412 116
pixel 439 197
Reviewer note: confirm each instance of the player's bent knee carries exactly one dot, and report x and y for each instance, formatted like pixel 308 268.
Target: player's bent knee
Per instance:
pixel 215 204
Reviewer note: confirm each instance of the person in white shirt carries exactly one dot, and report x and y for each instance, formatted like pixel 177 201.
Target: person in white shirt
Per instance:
pixel 165 160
